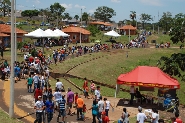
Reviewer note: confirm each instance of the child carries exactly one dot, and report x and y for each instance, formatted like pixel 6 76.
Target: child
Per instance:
pixel 86 92
pixel 84 111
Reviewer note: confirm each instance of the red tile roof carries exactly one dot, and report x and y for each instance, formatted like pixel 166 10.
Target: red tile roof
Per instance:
pixel 3 35
pixel 77 30
pixel 7 29
pixel 100 23
pixel 126 27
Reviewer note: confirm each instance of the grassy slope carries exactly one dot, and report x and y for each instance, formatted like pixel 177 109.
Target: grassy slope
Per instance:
pixel 5 118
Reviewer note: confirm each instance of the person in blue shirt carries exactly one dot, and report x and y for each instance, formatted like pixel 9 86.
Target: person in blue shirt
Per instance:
pixel 18 72
pixel 62 108
pixel 49 109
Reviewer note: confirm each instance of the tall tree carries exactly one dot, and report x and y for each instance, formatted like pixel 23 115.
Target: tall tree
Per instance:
pixel 85 17
pixel 177 31
pixel 76 17
pixel 67 16
pixel 30 13
pixel 104 13
pixel 144 18
pixel 166 21
pixel 47 13
pixel 133 17
pixel 57 10
pixel 5 7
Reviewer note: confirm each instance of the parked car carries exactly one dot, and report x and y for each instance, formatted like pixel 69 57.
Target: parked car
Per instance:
pixel 42 24
pixel 47 24
pixel 1 22
pixel 8 23
pixel 24 23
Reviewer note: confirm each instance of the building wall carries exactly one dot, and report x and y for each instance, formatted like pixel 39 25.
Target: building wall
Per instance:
pixel 76 37
pixel 132 32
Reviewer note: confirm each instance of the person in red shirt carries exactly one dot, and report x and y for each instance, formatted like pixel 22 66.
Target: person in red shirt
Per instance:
pixel 178 120
pixel 38 92
pixel 105 119
pixel 31 59
pixel 85 83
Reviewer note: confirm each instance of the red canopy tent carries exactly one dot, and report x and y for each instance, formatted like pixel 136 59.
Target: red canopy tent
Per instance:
pixel 148 77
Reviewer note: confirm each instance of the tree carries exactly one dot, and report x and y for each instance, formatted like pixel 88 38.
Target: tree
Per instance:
pixel 47 13
pixel 5 7
pixel 177 31
pixel 104 13
pixel 85 17
pixel 93 29
pixel 30 13
pixel 166 21
pixel 56 9
pixel 67 16
pixel 133 17
pixel 173 65
pixel 76 17
pixel 144 18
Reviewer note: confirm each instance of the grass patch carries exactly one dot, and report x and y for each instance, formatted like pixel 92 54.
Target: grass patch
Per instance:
pixel 6 119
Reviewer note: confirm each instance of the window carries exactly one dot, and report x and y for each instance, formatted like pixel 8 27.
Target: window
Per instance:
pixel 74 36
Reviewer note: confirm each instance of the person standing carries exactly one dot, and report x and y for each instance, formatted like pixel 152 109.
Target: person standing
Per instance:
pixel 36 81
pixel 57 94
pixel 80 104
pixel 49 109
pixel 85 85
pixel 107 105
pixel 124 117
pixel 39 106
pixel 29 83
pixel 70 100
pixel 155 115
pixel 62 108
pixel 141 117
pixel 93 87
pixel 132 93
pixel 100 109
pixel 97 93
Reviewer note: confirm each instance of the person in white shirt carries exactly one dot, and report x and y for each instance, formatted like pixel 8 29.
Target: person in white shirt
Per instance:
pixel 155 116
pixel 57 95
pixel 25 56
pixel 107 105
pixel 39 106
pixel 100 108
pixel 141 117
pixel 97 93
pixel 59 85
pixel 132 93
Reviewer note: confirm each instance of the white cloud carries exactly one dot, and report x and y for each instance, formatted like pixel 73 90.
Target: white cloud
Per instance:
pixel 36 1
pixel 67 6
pixel 152 2
pixel 116 1
pixel 78 6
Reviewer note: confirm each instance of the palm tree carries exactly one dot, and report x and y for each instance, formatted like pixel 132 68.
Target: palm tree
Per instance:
pixel 133 17
pixel 76 17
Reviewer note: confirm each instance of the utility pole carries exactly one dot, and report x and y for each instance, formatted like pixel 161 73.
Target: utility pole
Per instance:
pixel 80 31
pixel 153 24
pixel 11 107
pixel 158 22
pixel 15 32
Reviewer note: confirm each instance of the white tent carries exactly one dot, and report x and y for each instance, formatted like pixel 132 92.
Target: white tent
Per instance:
pixel 61 33
pixel 38 33
pixel 51 33
pixel 112 33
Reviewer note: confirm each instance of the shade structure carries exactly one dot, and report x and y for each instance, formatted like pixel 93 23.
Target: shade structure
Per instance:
pixel 112 33
pixel 61 33
pixel 149 77
pixel 51 33
pixel 3 35
pixel 38 33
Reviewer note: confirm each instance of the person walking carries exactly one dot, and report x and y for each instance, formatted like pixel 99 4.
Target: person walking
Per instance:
pixel 177 120
pixel 124 117
pixel 39 106
pixel 155 116
pixel 29 84
pixel 49 109
pixel 107 105
pixel 60 86
pixel 37 92
pixel 100 109
pixel 36 81
pixel 70 101
pixel 80 104
pixel 97 93
pixel 94 109
pixel 105 119
pixel 62 108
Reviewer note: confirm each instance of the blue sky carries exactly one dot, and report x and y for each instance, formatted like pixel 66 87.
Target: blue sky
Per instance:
pixel 121 7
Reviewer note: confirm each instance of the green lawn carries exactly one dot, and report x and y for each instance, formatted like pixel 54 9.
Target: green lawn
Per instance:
pixel 4 118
